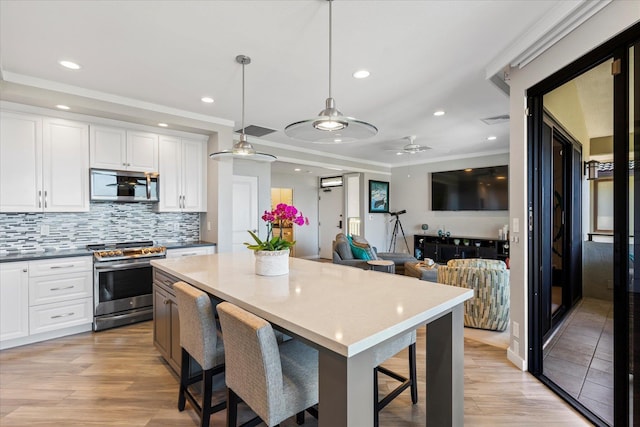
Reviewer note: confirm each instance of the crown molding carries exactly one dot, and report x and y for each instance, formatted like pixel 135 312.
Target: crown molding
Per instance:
pixel 552 27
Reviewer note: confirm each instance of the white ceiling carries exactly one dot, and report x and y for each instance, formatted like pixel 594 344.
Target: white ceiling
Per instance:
pixel 422 55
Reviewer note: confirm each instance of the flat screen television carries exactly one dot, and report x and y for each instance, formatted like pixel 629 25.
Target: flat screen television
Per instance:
pixel 477 189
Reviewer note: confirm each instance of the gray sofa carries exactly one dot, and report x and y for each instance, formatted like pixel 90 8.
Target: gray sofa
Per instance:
pixel 343 254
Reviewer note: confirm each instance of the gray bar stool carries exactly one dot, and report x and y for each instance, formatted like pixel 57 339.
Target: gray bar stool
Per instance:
pixel 276 381
pixel 200 339
pixel 404 341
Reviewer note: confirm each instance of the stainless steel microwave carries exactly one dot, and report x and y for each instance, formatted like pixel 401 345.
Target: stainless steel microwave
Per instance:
pixel 124 186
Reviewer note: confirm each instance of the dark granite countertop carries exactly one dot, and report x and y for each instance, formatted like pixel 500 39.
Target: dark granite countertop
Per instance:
pixel 36 255
pixel 65 253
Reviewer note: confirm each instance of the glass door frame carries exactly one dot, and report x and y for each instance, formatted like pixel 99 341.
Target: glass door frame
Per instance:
pixel 616 48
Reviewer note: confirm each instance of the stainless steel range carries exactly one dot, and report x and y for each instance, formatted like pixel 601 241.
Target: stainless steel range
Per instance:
pixel 123 282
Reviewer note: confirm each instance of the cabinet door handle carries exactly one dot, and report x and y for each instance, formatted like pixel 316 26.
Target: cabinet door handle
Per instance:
pixel 167 301
pixel 24 270
pixel 61 289
pixel 62 315
pixel 62 266
pixel 45 198
pixel 39 198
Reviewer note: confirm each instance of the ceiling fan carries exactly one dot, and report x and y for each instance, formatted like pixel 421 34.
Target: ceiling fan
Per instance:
pixel 411 147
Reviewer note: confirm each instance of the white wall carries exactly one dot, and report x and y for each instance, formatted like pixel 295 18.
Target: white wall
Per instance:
pixel 214 223
pixel 305 199
pixel 612 19
pixel 376 226
pixel 261 170
pixel 411 190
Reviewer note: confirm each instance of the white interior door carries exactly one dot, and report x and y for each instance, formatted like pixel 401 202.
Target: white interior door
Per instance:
pixel 245 210
pixel 330 209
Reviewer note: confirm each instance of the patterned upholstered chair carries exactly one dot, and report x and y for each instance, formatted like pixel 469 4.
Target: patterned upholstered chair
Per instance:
pixel 489 279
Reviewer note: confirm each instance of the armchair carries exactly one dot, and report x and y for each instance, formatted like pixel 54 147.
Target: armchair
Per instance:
pixel 489 279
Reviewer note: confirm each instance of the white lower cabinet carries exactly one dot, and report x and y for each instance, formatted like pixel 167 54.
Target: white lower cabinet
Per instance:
pixel 54 316
pixel 184 252
pixel 14 300
pixel 45 299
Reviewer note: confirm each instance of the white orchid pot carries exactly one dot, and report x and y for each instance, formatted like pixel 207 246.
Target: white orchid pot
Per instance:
pixel 272 263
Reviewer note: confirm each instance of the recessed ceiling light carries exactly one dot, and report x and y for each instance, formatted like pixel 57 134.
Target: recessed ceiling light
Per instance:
pixel 70 65
pixel 399 153
pixel 468 170
pixel 62 107
pixel 439 113
pixel 361 74
pixel 492 138
pixel 297 169
pixel 207 99
pixel 163 125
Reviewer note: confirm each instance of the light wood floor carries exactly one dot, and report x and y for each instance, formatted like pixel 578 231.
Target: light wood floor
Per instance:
pixel 116 378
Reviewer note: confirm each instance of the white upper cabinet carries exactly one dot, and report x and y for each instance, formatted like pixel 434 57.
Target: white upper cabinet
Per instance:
pixel 182 175
pixel 142 151
pixel 44 164
pixel 120 149
pixel 20 162
pixel 65 166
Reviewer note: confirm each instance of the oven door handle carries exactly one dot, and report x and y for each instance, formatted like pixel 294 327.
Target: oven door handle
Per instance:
pixel 123 266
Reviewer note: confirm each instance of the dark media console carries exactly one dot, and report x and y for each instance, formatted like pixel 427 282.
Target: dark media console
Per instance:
pixel 442 249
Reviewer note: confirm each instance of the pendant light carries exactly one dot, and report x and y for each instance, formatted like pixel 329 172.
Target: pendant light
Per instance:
pixel 243 148
pixel 331 126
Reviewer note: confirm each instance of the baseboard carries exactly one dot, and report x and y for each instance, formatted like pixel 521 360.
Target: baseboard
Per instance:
pixel 516 360
pixel 44 336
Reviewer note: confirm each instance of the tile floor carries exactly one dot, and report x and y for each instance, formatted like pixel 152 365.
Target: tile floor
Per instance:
pixel 579 357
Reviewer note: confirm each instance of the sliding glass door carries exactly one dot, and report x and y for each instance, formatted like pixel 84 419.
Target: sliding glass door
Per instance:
pixel 595 100
pixel 634 224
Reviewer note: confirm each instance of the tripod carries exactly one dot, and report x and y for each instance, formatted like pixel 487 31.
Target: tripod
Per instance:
pixel 394 235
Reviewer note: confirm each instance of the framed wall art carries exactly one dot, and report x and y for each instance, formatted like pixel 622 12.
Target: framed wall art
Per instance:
pixel 378 196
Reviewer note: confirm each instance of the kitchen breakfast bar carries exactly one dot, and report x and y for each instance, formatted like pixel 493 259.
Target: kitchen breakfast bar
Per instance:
pixel 347 314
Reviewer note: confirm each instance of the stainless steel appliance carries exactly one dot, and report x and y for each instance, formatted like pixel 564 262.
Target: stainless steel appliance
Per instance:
pixel 124 186
pixel 122 282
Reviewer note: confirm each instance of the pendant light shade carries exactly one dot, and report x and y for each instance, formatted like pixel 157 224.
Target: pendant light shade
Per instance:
pixel 331 126
pixel 243 148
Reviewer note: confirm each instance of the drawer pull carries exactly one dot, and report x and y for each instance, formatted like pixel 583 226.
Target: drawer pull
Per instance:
pixel 57 316
pixel 167 301
pixel 61 289
pixel 63 266
pixel 168 283
pixel 190 254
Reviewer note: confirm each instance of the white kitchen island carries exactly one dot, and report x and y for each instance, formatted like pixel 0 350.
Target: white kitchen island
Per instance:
pixel 347 314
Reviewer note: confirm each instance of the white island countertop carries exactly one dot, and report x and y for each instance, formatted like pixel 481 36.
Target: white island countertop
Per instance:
pixel 348 314
pixel 344 309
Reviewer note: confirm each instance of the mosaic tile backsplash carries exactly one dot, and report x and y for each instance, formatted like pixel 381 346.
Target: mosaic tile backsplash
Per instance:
pixel 105 222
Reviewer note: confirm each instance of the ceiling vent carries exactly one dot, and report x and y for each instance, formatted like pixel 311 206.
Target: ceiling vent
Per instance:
pixel 496 120
pixel 256 131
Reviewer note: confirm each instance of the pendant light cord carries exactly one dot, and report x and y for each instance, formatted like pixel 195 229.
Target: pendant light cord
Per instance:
pixel 330 43
pixel 243 97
